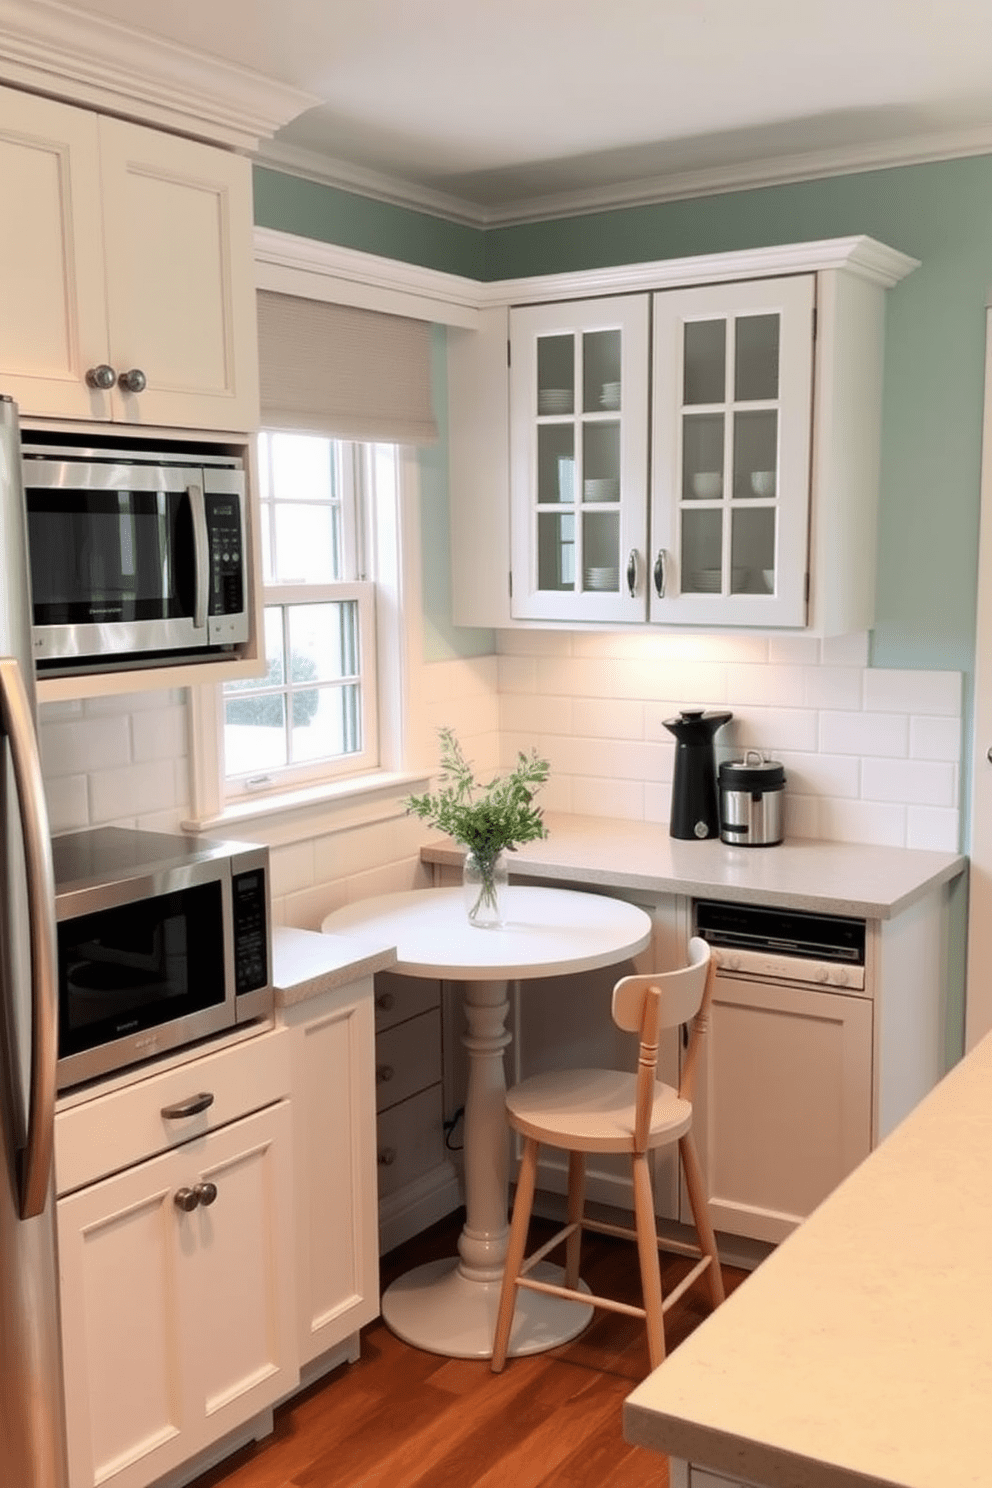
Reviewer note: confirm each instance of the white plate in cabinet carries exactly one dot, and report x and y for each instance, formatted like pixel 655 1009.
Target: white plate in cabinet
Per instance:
pixel 410 1140
pixel 407 1058
pixel 132 260
pixel 178 1318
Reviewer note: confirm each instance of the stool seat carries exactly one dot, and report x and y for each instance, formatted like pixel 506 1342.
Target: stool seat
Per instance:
pixel 593 1110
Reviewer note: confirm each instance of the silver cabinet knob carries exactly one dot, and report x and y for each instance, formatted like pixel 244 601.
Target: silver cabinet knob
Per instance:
pixel 133 381
pixel 661 573
pixel 101 376
pixel 205 1193
pixel 632 572
pixel 186 1199
pixel 988 754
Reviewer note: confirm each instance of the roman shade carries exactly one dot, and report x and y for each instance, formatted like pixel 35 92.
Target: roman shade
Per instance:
pixel 343 371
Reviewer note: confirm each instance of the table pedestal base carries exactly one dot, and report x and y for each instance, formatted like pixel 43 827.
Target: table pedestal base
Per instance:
pixel 436 1308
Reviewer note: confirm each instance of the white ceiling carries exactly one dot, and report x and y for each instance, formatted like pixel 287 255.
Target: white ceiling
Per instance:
pixel 504 109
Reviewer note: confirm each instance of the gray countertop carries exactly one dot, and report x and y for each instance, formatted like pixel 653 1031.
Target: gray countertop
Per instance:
pixel 874 883
pixel 306 963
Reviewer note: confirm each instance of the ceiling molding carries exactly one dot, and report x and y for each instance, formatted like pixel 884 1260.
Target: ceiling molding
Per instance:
pixel 294 265
pixel 781 170
pixel 48 48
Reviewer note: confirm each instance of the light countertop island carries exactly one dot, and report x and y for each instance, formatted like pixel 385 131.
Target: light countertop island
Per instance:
pixel 860 1352
pixel 875 883
pixel 306 963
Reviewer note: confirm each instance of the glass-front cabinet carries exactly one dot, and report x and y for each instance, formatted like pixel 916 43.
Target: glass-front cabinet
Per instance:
pixel 731 415
pixel 721 536
pixel 579 459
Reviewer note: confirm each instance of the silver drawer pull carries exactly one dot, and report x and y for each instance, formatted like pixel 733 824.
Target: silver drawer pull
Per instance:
pixel 384 1073
pixel 205 1193
pixel 386 1001
pixel 387 1156
pixel 191 1106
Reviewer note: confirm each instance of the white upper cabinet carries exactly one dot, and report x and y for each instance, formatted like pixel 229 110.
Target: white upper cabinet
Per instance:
pixel 126 272
pixel 701 449
pixel 732 386
pixel 579 458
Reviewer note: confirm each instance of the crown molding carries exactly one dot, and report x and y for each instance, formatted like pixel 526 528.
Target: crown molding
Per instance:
pixel 49 48
pixel 781 170
pixel 289 264
pixel 311 165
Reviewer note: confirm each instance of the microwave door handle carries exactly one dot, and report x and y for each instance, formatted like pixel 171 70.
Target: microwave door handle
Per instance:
pixel 201 555
pixel 36 1165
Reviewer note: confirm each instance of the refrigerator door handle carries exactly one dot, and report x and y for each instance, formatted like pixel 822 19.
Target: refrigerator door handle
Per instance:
pixel 36 1164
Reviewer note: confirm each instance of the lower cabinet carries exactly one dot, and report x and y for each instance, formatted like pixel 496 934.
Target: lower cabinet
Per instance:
pixel 337 1243
pixel 177 1300
pixel 783 1102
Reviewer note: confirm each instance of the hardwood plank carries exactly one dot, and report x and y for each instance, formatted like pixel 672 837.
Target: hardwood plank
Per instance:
pixel 403 1418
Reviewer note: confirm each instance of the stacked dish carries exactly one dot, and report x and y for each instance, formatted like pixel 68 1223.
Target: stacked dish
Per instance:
pixel 705 581
pixel 554 400
pixel 610 396
pixel 601 488
pixel 601 578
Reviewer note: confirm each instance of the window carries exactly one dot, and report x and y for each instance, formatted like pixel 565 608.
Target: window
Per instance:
pixel 313 714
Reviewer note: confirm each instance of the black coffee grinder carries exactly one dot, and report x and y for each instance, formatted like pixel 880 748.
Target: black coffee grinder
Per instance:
pixel 695 803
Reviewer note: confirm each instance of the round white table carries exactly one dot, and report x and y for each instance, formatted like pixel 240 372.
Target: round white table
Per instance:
pixel 449 1307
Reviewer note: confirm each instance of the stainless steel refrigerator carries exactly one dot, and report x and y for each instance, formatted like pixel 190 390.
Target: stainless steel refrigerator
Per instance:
pixel 32 1440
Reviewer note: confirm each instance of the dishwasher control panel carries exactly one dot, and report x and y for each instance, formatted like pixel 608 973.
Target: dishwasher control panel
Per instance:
pixel 784 945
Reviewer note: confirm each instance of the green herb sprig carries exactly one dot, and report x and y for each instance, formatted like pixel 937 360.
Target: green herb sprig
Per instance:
pixel 486 819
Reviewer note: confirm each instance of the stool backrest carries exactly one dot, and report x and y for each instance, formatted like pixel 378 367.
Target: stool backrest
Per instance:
pixel 646 1004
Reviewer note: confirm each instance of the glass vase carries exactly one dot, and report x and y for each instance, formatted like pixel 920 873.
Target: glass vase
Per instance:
pixel 484 877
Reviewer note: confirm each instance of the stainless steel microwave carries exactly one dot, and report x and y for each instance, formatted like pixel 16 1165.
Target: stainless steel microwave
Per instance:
pixel 163 939
pixel 137 552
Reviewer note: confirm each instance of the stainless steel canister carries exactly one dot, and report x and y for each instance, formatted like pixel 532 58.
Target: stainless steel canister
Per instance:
pixel 751 801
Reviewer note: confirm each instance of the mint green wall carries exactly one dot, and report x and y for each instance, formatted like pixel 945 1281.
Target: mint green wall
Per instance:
pixel 940 213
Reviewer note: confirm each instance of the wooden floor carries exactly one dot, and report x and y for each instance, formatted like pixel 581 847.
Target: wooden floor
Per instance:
pixel 401 1418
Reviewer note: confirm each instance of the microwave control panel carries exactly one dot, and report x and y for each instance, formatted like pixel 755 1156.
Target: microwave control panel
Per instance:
pixel 224 525
pixel 251 958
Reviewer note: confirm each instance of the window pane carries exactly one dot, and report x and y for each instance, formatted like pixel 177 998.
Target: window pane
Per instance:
pixel 302 467
pixel 323 641
pixel 307 544
pixel 326 723
pixel 255 734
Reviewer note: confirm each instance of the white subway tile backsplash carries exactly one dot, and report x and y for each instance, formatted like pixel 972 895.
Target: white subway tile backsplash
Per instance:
pixel 608 797
pixel 67 799
pixel 769 729
pixel 913 692
pixel 935 738
pixel 933 828
pixel 120 795
pixel 832 687
pixel 821 774
pixel 291 867
pixel 517 674
pixel 769 686
pixel 613 718
pixel 863 821
pixel 913 782
pixel 790 650
pixel 160 733
pixel 530 713
pixel 884 734
pixel 87 743
pixel 845 650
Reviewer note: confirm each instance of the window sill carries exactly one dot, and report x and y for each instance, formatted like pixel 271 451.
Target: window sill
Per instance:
pixel 334 806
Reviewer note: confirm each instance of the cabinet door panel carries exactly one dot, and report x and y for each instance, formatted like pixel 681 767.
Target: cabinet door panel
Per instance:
pixel 128 1393
pixel 783 1103
pixel 334 1132
pixel 180 278
pixel 52 310
pixel 579 459
pixel 731 420
pixel 239 1301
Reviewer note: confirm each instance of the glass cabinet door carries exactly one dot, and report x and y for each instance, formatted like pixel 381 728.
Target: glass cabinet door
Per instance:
pixel 578 407
pixel 732 388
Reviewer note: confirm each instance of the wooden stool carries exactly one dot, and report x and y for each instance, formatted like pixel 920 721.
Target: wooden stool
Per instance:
pixel 583 1111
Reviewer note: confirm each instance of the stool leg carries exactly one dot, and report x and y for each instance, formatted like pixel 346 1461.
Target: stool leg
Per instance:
pixel 647 1250
pixel 516 1243
pixel 576 1209
pixel 701 1215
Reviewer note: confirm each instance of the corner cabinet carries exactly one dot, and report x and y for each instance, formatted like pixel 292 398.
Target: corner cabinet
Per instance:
pixel 127 284
pixel 702 452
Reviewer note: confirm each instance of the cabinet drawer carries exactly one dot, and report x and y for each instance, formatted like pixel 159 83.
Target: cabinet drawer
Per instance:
pixel 398 998
pixel 112 1131
pixel 410 1140
pixel 407 1059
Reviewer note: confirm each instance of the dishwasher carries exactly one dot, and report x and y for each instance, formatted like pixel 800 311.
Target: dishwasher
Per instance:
pixel 784 1107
